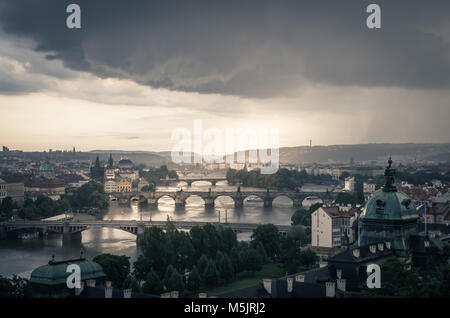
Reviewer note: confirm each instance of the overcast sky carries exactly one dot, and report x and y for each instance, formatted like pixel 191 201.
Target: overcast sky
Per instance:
pixel 139 69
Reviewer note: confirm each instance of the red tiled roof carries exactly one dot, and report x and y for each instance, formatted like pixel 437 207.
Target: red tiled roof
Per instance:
pixel 334 212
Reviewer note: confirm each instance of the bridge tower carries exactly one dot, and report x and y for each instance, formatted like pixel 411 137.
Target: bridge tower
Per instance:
pixel 268 199
pixel 238 198
pixel 180 198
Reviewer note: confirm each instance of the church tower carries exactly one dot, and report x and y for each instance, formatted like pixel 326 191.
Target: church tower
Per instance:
pixel 110 162
pixel 97 171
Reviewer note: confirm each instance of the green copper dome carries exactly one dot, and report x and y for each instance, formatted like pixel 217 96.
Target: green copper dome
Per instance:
pixel 388 216
pixel 55 273
pixel 389 205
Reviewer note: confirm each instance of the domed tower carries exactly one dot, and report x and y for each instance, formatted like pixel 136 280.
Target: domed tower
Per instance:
pixel 388 216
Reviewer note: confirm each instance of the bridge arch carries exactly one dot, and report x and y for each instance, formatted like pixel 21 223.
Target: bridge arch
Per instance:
pixel 166 197
pixel 202 183
pixel 259 198
pixel 190 200
pixel 225 200
pixel 138 198
pixel 283 200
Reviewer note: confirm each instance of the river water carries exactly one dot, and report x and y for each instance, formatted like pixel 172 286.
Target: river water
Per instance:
pixel 22 256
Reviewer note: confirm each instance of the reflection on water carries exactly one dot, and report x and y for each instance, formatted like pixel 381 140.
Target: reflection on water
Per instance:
pixel 22 256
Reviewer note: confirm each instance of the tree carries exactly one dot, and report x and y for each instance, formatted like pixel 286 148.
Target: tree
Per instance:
pixel 91 194
pixel 290 255
pixel 226 269
pixel 15 287
pixel 7 206
pixel 268 236
pixel 202 264
pixel 180 252
pixel 219 259
pixel 141 267
pixel 6 288
pixel 301 217
pixel 308 257
pixel 224 266
pixel 346 198
pixel 43 207
pixel 168 275
pixel 235 259
pixel 314 207
pixel 298 234
pixel 198 239
pixel 228 239
pixel 211 275
pixel 115 267
pixel 154 247
pixel 153 285
pixel 194 281
pixel 262 251
pixel 175 282
pixel 131 283
pixel 212 240
pixel 251 260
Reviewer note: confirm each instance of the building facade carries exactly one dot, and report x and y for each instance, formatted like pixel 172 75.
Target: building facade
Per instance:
pixel 349 184
pixel 110 186
pixel 330 225
pixel 2 189
pixel 123 185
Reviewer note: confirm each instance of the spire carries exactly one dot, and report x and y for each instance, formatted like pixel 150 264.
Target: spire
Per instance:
pixel 97 162
pixel 389 177
pixel 110 161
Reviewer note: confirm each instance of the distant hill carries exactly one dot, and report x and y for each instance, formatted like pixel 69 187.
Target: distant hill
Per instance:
pixel 288 155
pixel 361 152
pixel 365 152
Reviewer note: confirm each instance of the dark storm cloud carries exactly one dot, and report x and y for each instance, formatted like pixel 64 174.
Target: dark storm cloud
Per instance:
pixel 246 48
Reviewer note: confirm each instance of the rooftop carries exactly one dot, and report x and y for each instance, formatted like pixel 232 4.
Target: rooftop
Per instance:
pixel 55 273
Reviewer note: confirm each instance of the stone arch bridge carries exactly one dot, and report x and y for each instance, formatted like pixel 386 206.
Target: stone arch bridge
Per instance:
pixel 189 180
pixel 209 197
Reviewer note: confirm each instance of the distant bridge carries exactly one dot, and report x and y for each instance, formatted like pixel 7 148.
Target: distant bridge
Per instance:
pixel 209 197
pixel 189 180
pixel 72 229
